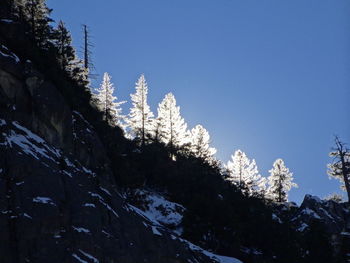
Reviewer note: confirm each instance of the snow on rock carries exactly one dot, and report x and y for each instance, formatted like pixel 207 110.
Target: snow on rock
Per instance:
pixel 310 212
pixel 93 259
pixel 276 218
pixel 43 200
pixel 156 231
pixel 78 258
pixel 81 229
pixel 215 257
pixel 302 227
pixel 9 53
pixel 102 201
pixel 89 205
pixel 2 122
pixel 105 190
pixel 30 143
pixel 158 210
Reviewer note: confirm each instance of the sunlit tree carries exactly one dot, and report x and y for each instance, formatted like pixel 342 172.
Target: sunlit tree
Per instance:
pixel 280 182
pixel 140 120
pixel 108 103
pixel 244 173
pixel 172 128
pixel 200 143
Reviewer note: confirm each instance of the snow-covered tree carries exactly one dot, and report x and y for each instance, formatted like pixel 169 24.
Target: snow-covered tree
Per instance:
pixel 107 102
pixel 172 127
pixel 340 167
pixel 280 182
pixel 200 143
pixel 244 172
pixel 140 119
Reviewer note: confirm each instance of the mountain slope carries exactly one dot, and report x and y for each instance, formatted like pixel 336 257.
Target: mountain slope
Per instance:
pixel 58 198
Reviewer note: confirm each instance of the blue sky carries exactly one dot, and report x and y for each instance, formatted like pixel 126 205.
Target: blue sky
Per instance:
pixel 268 77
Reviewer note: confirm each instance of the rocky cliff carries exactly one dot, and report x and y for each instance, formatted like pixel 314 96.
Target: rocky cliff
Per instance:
pixel 58 198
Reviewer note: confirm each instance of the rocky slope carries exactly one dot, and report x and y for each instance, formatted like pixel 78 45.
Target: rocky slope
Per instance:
pixel 58 198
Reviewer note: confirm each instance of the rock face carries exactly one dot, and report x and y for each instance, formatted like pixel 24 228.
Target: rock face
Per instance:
pixel 335 216
pixel 58 198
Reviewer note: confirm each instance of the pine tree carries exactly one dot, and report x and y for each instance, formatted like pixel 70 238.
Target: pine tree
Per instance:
pixel 172 127
pixel 140 119
pixel 200 143
pixel 63 43
pixel 280 182
pixel 340 167
pixel 107 102
pixel 244 173
pixel 37 15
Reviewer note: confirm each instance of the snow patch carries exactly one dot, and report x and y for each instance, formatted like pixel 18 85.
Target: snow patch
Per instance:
pixel 89 205
pixel 89 256
pixel 43 200
pixel 215 257
pixel 78 258
pixel 155 231
pixel 308 211
pixel 101 200
pixel 302 227
pixel 105 190
pixel 81 229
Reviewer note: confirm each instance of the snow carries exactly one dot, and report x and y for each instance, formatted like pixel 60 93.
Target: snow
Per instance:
pixel 81 117
pixel 2 122
pixel 308 211
pixel 106 233
pixel 81 229
pixel 27 216
pixel 105 190
pixel 302 227
pixel 326 213
pixel 67 173
pixel 6 21
pixel 78 258
pixel 345 233
pixel 253 251
pixel 276 218
pixel 160 211
pixel 88 171
pixel 12 55
pixel 68 162
pixel 155 231
pixel 101 200
pixel 43 200
pixel 31 144
pixel 20 183
pixel 89 205
pixel 89 256
pixel 215 257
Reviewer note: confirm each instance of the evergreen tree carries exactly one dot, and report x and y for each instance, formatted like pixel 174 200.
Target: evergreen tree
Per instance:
pixel 340 167
pixel 200 144
pixel 244 172
pixel 280 182
pixel 65 51
pixel 37 15
pixel 140 118
pixel 107 102
pixel 172 127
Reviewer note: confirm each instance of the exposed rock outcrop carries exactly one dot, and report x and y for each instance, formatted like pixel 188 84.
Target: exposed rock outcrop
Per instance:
pixel 58 198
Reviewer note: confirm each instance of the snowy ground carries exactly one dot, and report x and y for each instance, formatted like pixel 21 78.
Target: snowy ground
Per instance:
pixel 159 213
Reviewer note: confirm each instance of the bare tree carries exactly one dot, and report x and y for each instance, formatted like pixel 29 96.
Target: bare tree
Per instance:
pixel 340 167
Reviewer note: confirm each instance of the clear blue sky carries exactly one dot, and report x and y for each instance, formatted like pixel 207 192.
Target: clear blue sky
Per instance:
pixel 269 77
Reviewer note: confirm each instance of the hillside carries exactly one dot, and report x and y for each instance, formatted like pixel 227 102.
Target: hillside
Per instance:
pixel 75 189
